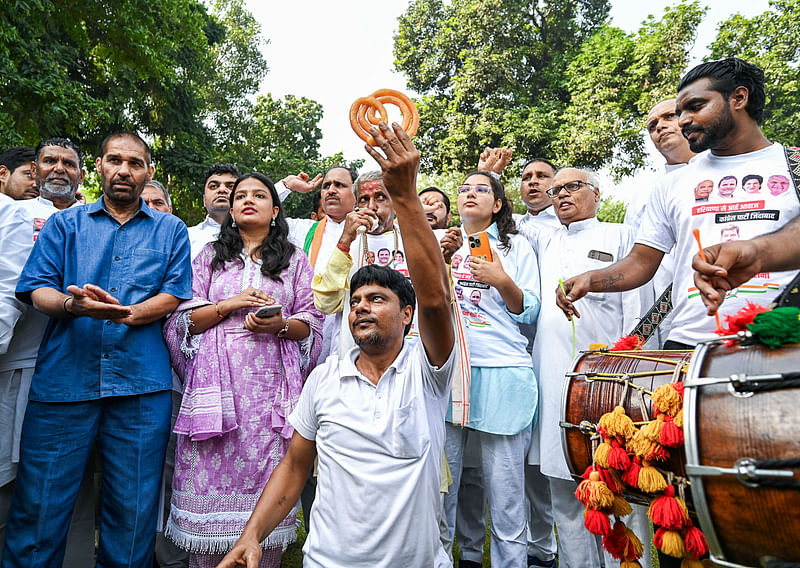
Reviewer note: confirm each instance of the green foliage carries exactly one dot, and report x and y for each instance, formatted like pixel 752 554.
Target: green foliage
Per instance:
pixel 611 210
pixel 614 80
pixel 176 71
pixel 772 41
pixel 546 78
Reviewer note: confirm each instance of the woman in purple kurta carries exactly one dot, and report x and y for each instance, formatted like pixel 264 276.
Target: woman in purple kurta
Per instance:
pixel 242 375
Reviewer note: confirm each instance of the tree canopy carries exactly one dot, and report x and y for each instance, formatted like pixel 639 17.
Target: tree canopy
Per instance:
pixel 771 40
pixel 549 78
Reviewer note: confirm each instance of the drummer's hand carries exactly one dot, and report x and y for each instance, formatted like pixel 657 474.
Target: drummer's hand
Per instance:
pixel 574 289
pixel 727 266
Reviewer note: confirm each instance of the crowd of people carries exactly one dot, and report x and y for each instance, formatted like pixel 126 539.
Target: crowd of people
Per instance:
pixel 367 363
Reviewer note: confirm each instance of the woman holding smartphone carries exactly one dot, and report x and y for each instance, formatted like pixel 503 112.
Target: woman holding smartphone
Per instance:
pixel 500 285
pixel 242 373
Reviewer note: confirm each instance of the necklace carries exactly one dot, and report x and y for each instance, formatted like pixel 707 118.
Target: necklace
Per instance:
pixel 365 249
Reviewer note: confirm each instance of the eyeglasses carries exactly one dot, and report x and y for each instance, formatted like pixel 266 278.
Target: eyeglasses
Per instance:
pixel 571 187
pixel 485 189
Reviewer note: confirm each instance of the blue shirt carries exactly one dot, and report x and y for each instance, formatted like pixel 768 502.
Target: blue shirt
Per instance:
pixel 86 358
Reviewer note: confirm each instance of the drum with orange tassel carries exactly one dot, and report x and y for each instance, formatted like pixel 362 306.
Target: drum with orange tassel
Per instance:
pixel 616 386
pixel 742 437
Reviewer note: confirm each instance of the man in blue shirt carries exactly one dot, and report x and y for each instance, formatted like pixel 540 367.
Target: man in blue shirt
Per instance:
pixel 106 274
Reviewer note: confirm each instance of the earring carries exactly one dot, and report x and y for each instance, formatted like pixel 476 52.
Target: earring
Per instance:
pixel 233 223
pixel 272 223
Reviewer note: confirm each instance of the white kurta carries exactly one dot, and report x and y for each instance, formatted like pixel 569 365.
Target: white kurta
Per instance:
pixel 202 234
pixel 605 317
pixel 664 275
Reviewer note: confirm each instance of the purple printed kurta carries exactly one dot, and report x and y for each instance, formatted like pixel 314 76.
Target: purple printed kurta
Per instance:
pixel 239 389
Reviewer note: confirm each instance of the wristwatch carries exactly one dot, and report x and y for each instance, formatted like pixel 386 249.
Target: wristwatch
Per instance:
pixel 284 331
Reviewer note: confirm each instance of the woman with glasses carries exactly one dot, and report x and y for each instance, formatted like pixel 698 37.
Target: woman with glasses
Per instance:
pixel 243 346
pixel 503 392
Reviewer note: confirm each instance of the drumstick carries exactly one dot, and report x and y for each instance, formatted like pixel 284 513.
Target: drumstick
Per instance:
pixel 572 319
pixel 696 233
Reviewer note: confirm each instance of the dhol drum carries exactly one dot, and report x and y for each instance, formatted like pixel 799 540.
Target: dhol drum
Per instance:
pixel 742 435
pixel 602 380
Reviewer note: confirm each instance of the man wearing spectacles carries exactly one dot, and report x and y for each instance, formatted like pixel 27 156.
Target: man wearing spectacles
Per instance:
pixel 720 105
pixel 580 243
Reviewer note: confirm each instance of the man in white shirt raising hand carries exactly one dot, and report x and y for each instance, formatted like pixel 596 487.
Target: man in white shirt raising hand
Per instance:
pixel 375 418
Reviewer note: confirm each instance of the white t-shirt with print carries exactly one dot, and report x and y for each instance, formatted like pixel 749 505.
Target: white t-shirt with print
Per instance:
pixel 672 213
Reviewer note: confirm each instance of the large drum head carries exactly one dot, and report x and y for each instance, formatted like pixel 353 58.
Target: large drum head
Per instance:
pixel 743 451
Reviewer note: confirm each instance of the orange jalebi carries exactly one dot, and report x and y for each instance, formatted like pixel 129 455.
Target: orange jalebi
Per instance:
pixel 367 112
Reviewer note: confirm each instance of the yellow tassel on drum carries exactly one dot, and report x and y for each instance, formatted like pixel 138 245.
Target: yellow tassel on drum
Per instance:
pixel 651 480
pixel 635 546
pixel 666 399
pixel 678 419
pixel 672 544
pixel 601 455
pixel 594 493
pixel 621 507
pixel 617 424
pixel 652 430
pixel 690 562
pixel 629 564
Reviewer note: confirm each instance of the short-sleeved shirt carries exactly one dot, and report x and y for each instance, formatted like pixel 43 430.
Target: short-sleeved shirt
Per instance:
pixel 380 451
pixel 86 358
pixel 672 213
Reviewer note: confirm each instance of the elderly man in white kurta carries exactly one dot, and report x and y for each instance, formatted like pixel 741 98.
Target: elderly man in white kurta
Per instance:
pixel 581 243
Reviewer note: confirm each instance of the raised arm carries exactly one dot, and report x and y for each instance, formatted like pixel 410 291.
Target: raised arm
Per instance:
pixel 279 496
pixel 626 274
pixel 733 263
pixel 423 255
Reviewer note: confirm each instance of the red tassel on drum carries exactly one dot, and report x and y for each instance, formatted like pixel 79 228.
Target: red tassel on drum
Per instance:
pixel 695 541
pixel 618 457
pixel 616 541
pixel 631 476
pixel 668 511
pixel 597 522
pixel 628 343
pixel 671 436
pixel 657 452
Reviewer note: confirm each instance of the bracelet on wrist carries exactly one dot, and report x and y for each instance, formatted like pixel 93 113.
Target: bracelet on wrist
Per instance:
pixel 219 314
pixel 284 330
pixel 344 248
pixel 67 299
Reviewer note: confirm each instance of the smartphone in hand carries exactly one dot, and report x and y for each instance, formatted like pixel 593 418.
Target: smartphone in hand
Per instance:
pixel 268 311
pixel 479 246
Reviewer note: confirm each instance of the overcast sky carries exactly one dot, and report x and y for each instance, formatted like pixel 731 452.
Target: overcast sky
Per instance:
pixel 335 52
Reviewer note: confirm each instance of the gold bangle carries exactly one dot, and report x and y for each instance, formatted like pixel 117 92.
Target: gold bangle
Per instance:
pixel 219 315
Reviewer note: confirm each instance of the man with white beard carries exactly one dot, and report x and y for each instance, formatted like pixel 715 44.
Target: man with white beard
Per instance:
pixel 58 171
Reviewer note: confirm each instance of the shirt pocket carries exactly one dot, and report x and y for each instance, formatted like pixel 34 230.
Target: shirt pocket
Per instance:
pixel 407 431
pixel 147 271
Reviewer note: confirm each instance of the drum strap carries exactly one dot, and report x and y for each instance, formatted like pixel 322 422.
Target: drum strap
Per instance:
pixel 655 315
pixel 790 296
